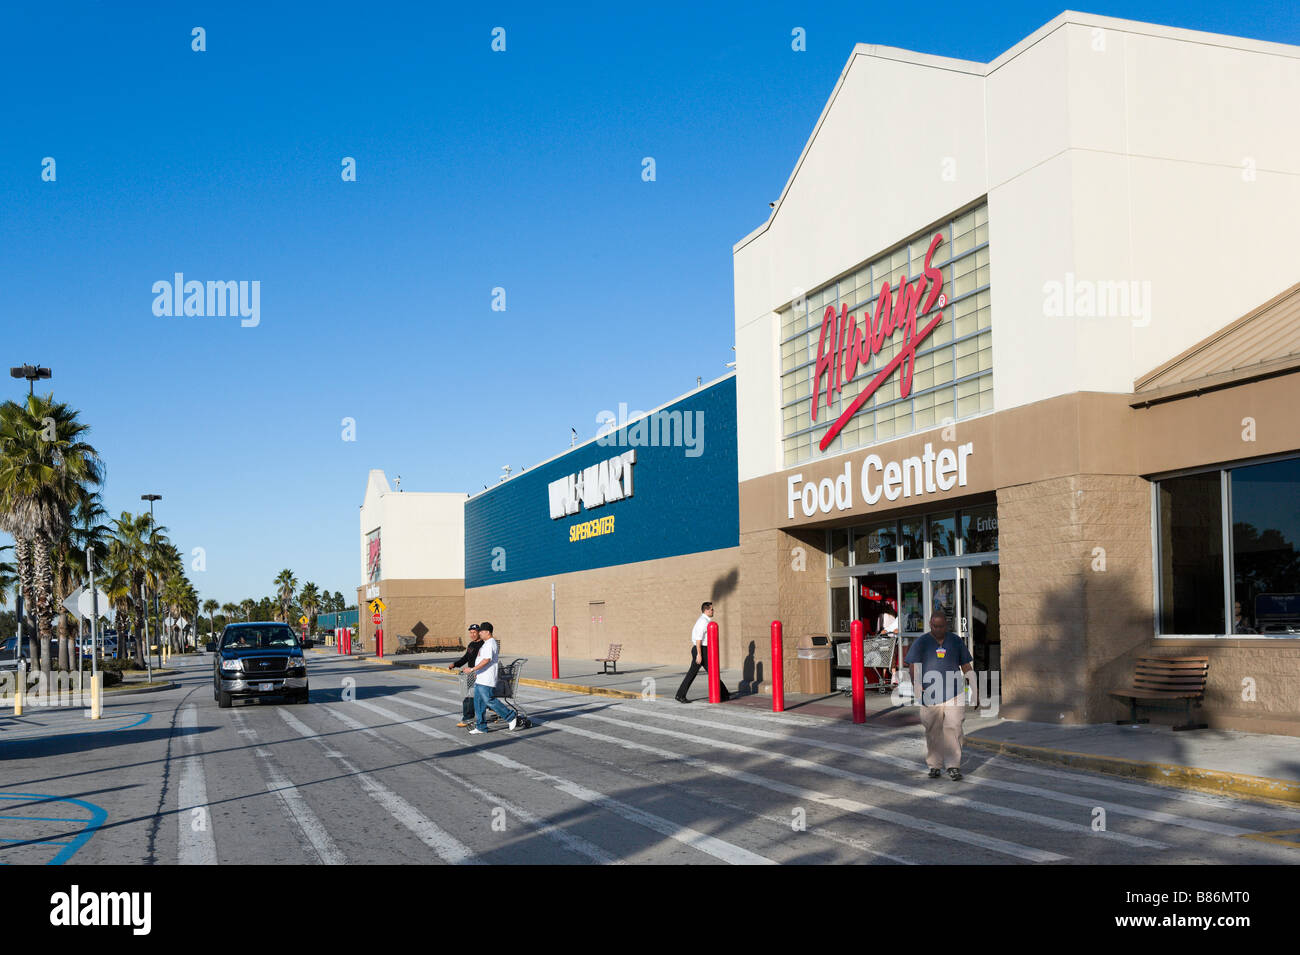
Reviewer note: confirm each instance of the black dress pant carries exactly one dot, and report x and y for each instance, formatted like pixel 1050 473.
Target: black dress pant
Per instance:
pixel 699 661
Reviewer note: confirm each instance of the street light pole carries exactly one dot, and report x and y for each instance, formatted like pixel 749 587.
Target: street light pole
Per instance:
pixel 152 530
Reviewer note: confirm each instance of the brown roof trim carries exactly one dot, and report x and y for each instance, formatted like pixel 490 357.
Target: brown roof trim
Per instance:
pixel 1143 382
pixel 1287 365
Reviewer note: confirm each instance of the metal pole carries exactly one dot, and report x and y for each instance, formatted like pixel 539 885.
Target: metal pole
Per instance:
pixel 94 615
pixel 778 668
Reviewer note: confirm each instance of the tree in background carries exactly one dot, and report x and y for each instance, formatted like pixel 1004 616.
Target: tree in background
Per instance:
pixel 45 465
pixel 286 585
pixel 310 602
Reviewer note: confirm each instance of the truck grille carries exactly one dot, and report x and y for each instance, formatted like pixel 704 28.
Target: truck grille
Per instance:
pixel 264 666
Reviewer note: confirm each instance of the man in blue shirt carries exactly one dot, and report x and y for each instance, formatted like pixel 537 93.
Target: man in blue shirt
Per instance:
pixel 940 662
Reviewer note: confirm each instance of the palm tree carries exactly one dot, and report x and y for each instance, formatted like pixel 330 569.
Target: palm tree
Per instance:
pixel 210 607
pixel 310 601
pixel 45 463
pixel 138 541
pixel 286 583
pixel 247 605
pixel 84 533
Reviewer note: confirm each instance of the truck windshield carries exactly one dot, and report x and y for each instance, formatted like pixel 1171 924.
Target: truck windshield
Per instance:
pixel 259 638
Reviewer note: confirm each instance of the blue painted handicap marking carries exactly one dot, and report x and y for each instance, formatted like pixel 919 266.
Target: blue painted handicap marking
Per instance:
pixel 38 829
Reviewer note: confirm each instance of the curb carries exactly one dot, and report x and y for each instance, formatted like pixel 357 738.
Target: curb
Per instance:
pixel 524 681
pixel 1281 791
pixel 121 690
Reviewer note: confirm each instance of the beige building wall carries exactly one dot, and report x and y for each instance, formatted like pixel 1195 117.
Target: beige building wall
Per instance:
pixel 433 611
pixel 783 577
pixel 649 607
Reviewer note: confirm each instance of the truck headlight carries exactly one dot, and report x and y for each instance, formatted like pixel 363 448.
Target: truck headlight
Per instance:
pixel 235 665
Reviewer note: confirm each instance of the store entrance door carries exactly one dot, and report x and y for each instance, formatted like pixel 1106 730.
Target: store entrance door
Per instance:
pixel 934 590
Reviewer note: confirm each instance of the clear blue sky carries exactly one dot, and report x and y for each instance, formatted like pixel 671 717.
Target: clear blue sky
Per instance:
pixel 475 170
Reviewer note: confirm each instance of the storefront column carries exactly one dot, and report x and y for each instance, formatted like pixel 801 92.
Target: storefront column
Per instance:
pixel 1074 594
pixel 783 577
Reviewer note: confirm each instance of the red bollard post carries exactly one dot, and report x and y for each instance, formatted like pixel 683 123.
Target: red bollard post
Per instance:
pixel 379 643
pixel 555 653
pixel 859 676
pixel 715 678
pixel 778 669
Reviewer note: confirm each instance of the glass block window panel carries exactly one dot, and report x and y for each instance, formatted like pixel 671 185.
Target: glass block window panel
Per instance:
pixel 963 260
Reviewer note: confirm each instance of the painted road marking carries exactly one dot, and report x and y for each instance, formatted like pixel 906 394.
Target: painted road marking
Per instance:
pixel 90 825
pixel 448 848
pixel 901 788
pixel 1276 837
pixel 718 848
pixel 850 805
pixel 294 806
pixel 573 842
pixel 196 845
pixel 909 738
pixel 912 765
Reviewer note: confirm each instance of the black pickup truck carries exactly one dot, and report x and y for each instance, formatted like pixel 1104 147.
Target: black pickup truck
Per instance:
pixel 258 659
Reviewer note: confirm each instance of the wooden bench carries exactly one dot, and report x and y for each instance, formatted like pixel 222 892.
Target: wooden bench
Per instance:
pixel 611 658
pixel 1166 678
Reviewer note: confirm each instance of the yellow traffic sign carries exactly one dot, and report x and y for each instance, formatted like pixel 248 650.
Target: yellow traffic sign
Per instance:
pixel 377 606
pixel 303 620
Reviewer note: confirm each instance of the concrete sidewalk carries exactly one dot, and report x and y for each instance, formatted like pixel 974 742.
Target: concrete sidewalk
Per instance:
pixel 1223 762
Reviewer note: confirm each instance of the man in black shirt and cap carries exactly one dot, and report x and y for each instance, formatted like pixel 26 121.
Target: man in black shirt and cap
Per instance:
pixel 466 659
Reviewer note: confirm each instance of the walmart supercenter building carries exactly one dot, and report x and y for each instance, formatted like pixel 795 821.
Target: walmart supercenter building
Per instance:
pixel 1019 342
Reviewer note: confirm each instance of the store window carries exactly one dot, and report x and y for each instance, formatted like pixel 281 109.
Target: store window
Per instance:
pixel 876 544
pixel 840 610
pixel 911 538
pixel 1242 579
pixel 979 529
pixel 1190 514
pixel 1265 538
pixel 943 534
pixel 839 548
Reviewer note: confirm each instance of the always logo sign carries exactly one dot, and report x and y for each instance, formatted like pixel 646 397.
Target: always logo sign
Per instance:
pixel 844 345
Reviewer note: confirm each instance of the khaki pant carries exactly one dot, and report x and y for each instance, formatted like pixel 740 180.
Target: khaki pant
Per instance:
pixel 943 734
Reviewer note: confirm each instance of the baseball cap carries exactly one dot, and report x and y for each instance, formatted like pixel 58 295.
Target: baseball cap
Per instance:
pixel 485 626
pixel 473 626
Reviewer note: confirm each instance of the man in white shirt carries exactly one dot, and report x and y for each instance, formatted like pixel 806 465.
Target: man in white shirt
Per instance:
pixel 699 653
pixel 485 683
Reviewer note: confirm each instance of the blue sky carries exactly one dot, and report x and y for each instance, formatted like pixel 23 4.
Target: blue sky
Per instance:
pixel 475 170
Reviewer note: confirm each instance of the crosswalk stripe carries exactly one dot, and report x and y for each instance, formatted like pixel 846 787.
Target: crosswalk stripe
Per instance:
pixel 848 805
pixel 902 762
pixel 571 841
pixel 718 848
pixel 294 805
pixel 197 846
pixel 448 847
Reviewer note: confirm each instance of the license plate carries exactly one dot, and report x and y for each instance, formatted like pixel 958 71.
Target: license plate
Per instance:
pixel 264 687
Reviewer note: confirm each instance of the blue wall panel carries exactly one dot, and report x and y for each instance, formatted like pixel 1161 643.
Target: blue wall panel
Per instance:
pixel 682 502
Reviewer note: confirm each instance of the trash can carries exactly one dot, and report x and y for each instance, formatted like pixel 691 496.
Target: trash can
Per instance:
pixel 815 653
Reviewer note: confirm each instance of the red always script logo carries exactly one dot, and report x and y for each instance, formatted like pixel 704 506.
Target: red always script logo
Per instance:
pixel 851 346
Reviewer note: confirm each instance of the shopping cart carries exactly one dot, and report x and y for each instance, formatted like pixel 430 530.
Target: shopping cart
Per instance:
pixel 878 655
pixel 507 683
